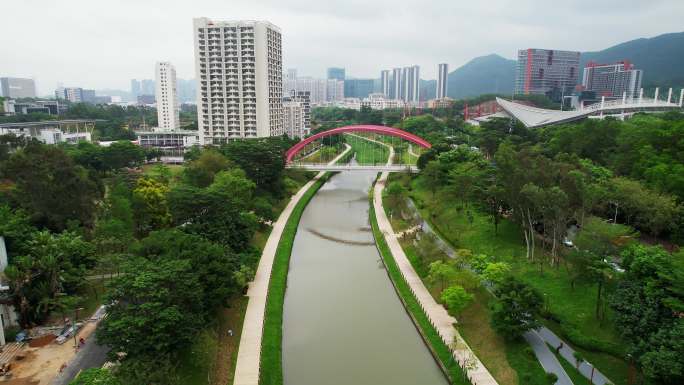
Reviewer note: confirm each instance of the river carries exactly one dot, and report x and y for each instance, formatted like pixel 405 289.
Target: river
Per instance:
pixel 343 323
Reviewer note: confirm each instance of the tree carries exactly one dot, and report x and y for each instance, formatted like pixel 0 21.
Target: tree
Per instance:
pixel 496 272
pixel 434 176
pixel 515 309
pixel 235 185
pixel 262 160
pixel 395 195
pixel 156 308
pixel 456 298
pixel 200 172
pixel 52 265
pixel 50 187
pixel 440 272
pixel 150 205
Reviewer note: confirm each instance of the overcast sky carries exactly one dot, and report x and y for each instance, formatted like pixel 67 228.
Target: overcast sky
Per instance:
pixel 103 44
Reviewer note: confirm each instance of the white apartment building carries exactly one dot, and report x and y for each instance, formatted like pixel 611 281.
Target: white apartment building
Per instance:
pixel 380 102
pixel 168 114
pixel 385 82
pixel 442 80
pixel 294 119
pixel 238 65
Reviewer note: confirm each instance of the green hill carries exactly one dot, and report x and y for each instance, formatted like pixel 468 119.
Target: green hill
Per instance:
pixel 661 58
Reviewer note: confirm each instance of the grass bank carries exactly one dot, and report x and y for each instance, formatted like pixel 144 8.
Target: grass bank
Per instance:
pixel 271 372
pixel 367 152
pixel 437 346
pixel 571 309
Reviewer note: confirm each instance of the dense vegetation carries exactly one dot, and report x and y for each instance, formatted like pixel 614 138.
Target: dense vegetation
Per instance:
pixel 179 245
pixel 512 201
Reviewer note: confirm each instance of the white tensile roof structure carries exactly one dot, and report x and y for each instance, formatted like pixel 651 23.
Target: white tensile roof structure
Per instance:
pixel 533 117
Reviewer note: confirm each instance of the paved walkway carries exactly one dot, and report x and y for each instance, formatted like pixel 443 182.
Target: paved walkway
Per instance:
pixel 546 357
pixel 569 354
pixel 438 316
pixel 249 352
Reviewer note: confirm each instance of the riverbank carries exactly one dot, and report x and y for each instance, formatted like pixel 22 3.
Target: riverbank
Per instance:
pixel 436 323
pixel 262 324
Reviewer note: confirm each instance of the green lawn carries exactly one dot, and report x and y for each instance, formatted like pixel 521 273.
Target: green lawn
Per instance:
pixel 366 151
pixel 271 344
pixel 573 309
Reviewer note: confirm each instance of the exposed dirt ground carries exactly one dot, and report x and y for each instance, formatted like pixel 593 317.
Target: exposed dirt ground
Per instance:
pixel 40 365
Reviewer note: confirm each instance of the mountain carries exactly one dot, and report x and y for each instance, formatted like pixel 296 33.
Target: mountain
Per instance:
pixel 661 58
pixel 491 74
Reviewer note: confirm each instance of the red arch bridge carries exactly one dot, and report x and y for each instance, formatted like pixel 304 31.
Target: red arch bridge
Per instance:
pixel 302 154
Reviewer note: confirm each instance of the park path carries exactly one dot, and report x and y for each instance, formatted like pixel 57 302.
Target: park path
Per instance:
pixel 248 362
pixel 537 338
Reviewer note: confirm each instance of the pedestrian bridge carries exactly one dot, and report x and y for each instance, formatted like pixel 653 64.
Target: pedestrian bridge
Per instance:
pixel 353 167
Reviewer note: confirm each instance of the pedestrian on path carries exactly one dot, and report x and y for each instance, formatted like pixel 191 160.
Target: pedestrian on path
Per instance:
pixel 230 332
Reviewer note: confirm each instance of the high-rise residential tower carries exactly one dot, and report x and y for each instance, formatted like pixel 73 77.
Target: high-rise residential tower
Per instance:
pixel 18 88
pixel 238 66
pixel 612 79
pixel 546 72
pixel 385 83
pixel 336 73
pixel 442 74
pixel 167 96
pixel 410 88
pixel 396 84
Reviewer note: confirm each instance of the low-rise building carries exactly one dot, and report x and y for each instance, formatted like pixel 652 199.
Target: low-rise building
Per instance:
pixel 172 143
pixel 378 101
pixel 52 131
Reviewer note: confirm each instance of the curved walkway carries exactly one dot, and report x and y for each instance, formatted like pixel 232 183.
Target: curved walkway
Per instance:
pixel 249 352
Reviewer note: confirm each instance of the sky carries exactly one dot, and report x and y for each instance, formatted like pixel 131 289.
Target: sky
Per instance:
pixel 103 44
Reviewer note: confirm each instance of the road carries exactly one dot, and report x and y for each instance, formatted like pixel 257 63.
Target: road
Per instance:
pixel 91 355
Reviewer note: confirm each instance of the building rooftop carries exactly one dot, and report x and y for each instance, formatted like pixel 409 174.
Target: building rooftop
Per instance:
pixel 49 123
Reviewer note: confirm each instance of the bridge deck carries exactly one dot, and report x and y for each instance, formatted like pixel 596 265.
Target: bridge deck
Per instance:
pixel 357 167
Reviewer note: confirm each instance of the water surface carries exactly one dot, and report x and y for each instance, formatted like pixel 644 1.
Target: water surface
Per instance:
pixel 343 323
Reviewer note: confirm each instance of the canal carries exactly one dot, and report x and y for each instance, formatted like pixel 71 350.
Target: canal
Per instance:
pixel 343 322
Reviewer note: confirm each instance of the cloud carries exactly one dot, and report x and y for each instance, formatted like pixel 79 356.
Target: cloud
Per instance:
pixel 103 44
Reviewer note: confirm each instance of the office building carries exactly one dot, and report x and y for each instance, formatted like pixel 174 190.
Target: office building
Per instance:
pixel 442 75
pixel 293 113
pixel 336 73
pixel 172 143
pixel 410 84
pixel 612 80
pixel 187 90
pixel 135 88
pixel 147 87
pixel 303 98
pixel 16 88
pixel 145 100
pixel 168 115
pixel 334 90
pixel 358 88
pixel 396 84
pixel 239 71
pixel 547 72
pixel 385 83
